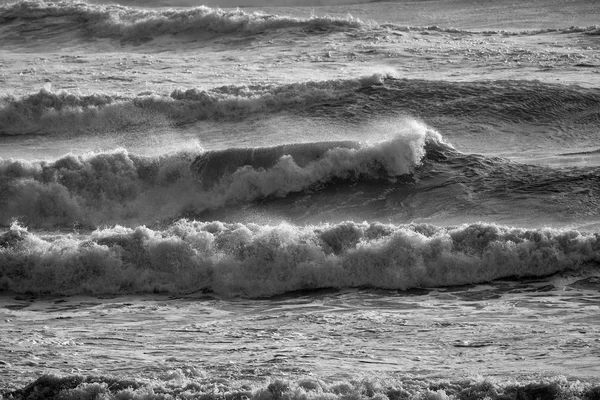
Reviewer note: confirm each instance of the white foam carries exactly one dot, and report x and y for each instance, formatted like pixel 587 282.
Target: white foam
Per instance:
pixel 262 260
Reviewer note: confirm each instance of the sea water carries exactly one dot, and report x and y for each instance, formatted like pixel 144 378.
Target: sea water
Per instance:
pixel 299 203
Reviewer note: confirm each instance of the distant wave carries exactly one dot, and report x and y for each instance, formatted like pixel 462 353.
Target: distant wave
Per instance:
pixel 48 112
pixel 138 25
pixel 47 22
pixel 118 187
pixel 260 260
pixel 135 24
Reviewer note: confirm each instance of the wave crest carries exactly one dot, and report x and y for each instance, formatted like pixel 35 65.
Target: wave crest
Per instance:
pixel 282 169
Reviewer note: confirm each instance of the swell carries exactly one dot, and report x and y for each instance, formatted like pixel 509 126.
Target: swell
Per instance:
pixel 43 20
pixel 489 102
pixel 498 100
pixel 260 260
pixel 496 189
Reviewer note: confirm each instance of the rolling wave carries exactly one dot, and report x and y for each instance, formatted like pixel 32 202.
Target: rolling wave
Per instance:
pixel 261 260
pixel 411 175
pixel 118 187
pixel 490 102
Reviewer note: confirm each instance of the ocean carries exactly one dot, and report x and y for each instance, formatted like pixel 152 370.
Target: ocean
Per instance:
pixel 300 201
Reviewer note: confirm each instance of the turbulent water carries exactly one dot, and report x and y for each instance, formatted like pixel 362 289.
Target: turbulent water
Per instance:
pixel 252 190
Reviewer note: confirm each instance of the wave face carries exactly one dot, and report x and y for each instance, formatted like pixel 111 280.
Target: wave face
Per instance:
pixel 252 260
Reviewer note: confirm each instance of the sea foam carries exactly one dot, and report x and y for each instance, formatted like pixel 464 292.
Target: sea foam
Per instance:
pixel 252 260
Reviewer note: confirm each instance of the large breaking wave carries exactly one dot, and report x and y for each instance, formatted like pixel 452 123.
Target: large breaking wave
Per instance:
pixel 409 174
pixel 119 187
pixel 252 260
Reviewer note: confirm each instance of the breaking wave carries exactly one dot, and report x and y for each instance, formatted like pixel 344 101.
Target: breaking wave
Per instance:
pixel 47 112
pixel 409 174
pixel 57 113
pixel 187 382
pixel 252 260
pixel 119 187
